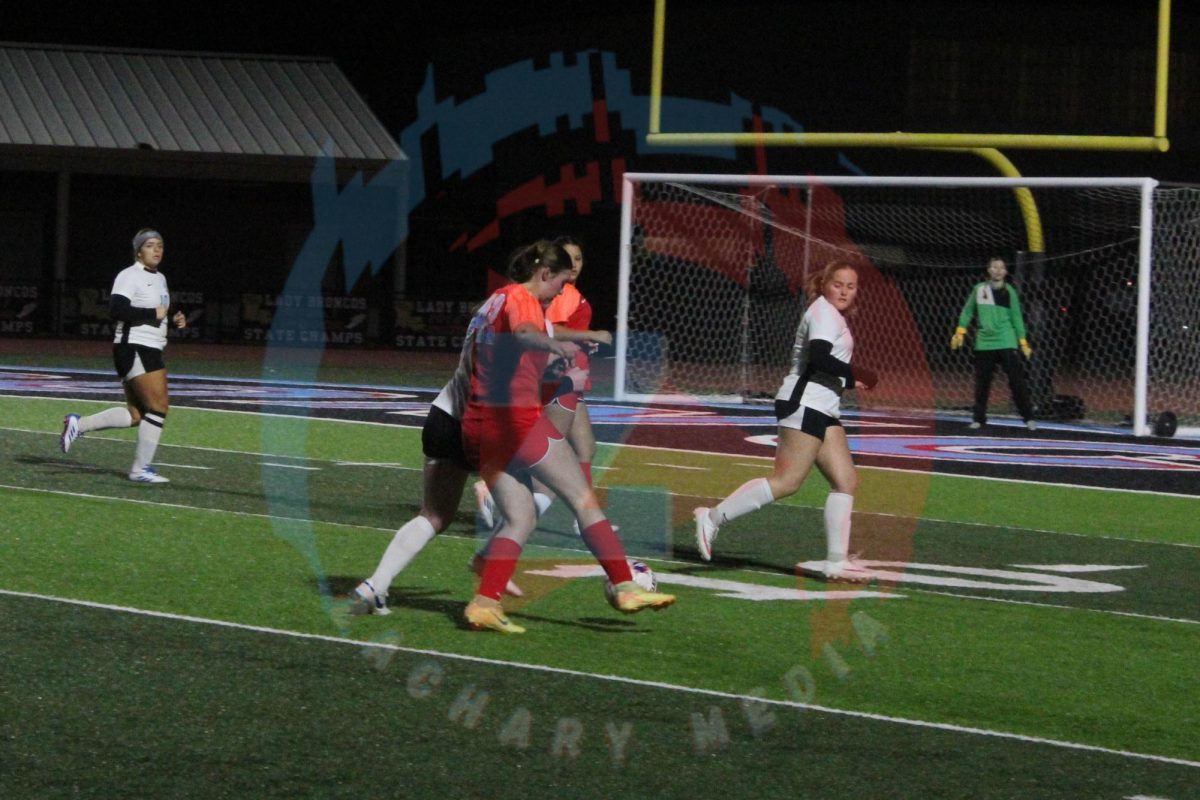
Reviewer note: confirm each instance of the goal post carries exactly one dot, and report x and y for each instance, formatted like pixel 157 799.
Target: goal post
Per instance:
pixel 713 266
pixel 1156 142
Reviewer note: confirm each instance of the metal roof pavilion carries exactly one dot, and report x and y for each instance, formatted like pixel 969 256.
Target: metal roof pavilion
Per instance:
pixel 127 111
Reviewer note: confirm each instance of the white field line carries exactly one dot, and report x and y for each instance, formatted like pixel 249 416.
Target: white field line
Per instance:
pixel 203 449
pixel 683 494
pixel 1036 604
pixel 184 507
pixel 767 459
pixel 793 704
pixel 583 553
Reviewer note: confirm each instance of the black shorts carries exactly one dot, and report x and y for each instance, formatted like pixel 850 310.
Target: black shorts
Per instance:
pixel 441 438
pixel 132 360
pixel 805 419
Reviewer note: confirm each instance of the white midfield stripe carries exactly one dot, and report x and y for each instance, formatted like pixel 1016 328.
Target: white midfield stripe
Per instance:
pixel 289 466
pixel 122 440
pixel 379 464
pixel 677 466
pixel 582 552
pixel 1052 605
pixel 179 466
pixel 201 409
pixel 767 461
pixel 193 508
pixel 943 726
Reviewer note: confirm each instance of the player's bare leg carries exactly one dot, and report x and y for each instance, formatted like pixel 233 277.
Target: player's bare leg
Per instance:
pixel 514 502
pixel 559 470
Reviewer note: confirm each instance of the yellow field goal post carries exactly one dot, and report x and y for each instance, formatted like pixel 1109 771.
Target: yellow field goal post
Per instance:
pixel 1121 378
pixel 1157 142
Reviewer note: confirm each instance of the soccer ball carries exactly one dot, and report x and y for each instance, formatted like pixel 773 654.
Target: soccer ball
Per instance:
pixel 643 576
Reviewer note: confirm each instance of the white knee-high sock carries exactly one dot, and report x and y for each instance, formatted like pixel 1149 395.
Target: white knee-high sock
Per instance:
pixel 149 432
pixel 838 507
pixel 108 418
pixel 408 541
pixel 541 502
pixel 750 496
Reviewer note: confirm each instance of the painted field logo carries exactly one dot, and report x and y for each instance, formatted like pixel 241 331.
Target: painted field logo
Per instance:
pixel 1022 578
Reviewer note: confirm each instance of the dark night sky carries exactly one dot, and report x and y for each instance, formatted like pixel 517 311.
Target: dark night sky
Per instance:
pixel 829 65
pixel 768 52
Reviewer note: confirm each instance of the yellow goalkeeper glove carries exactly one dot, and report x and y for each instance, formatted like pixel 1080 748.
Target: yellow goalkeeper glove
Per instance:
pixel 956 341
pixel 1026 350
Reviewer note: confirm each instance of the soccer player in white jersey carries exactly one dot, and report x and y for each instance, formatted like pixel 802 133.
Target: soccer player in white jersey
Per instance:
pixel 445 475
pixel 808 406
pixel 139 305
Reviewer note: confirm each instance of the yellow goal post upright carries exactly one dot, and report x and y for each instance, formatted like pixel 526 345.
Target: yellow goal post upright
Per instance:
pixel 711 268
pixel 1156 142
pixel 983 145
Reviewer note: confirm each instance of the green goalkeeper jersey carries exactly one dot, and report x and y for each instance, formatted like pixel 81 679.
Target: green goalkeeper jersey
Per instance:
pixel 999 313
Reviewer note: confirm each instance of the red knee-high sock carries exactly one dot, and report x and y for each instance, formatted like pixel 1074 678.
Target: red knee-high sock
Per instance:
pixel 500 562
pixel 608 550
pixel 586 466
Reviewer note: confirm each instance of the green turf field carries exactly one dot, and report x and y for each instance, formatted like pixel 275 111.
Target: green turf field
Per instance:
pixel 188 640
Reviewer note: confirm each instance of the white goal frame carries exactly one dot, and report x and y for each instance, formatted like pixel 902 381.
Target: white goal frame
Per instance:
pixel 1146 186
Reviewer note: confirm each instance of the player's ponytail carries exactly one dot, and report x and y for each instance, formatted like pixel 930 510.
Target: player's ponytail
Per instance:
pixel 529 259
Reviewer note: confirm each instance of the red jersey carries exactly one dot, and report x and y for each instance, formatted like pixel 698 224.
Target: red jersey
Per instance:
pixel 505 374
pixel 504 403
pixel 572 310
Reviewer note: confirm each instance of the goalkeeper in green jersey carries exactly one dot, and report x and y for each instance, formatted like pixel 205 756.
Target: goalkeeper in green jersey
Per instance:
pixel 1000 332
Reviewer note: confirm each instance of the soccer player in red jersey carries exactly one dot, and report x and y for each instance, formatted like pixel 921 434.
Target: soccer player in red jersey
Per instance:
pixel 509 439
pixel 570 317
pixel 570 314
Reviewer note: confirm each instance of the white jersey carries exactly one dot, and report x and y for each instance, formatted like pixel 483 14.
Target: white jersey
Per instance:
pixel 145 289
pixel 815 389
pixel 454 395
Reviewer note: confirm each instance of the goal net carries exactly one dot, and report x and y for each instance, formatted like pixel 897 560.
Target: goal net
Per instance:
pixel 1107 271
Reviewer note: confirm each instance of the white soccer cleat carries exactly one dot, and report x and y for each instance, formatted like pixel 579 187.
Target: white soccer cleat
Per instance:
pixel 147 475
pixel 847 571
pixel 706 533
pixel 485 505
pixel 365 600
pixel 70 431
